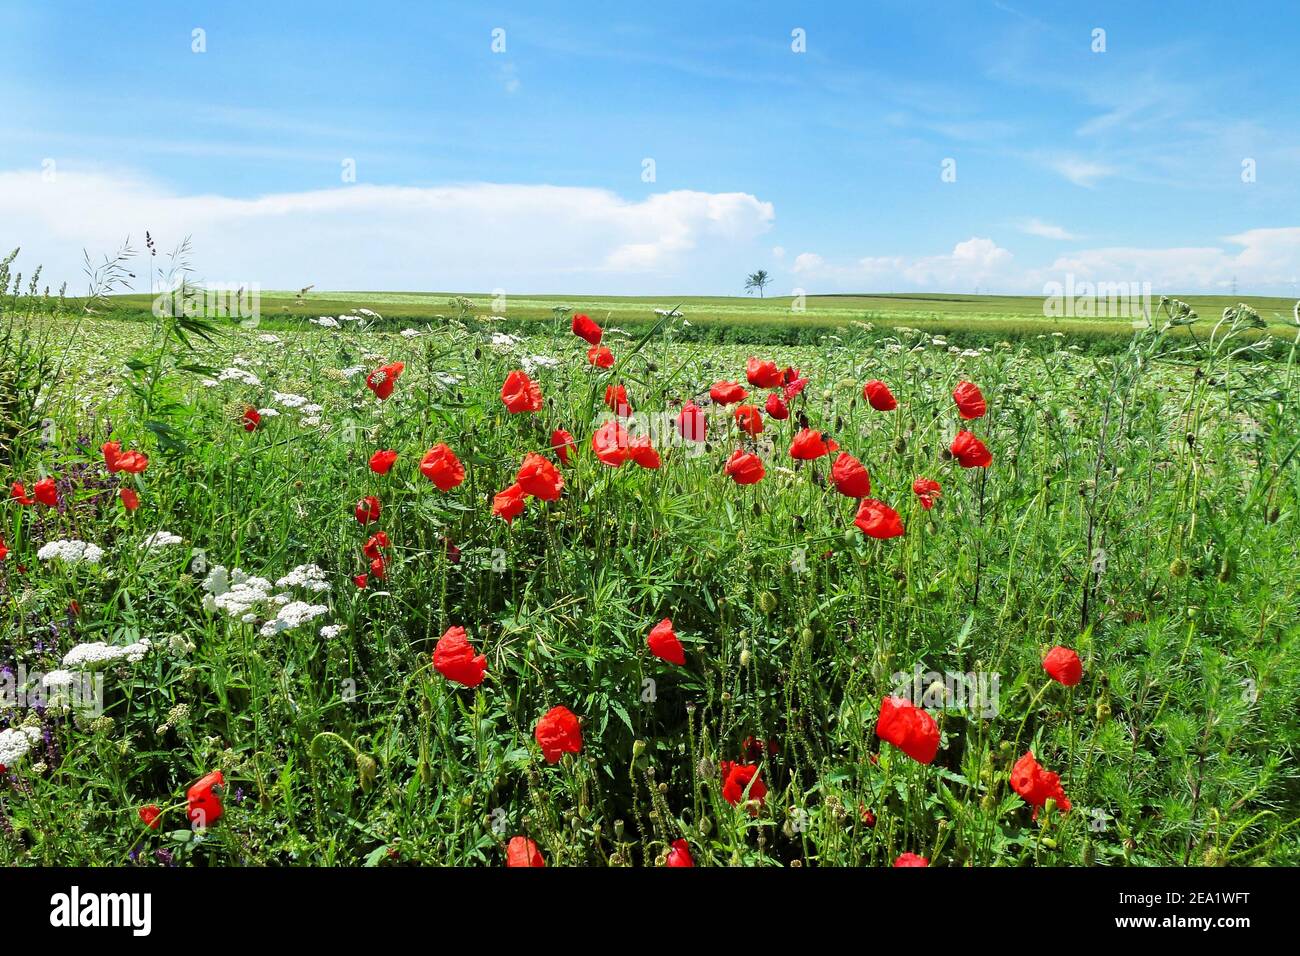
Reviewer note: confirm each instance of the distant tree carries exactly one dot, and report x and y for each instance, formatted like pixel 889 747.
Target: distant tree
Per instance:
pixel 757 280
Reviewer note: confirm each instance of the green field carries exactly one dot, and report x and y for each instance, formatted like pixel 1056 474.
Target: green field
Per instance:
pixel 750 317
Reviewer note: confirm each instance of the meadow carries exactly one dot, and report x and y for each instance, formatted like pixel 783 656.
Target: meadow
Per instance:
pixel 1068 639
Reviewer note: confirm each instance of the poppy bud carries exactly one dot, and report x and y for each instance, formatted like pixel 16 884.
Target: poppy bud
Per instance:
pixel 638 748
pixel 1048 841
pixel 1178 568
pixel 367 771
pixel 1103 710
pixel 744 657
pixel 900 446
pixel 618 829
pixel 767 602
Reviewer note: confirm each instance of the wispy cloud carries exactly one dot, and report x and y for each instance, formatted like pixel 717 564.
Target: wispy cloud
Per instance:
pixel 1044 230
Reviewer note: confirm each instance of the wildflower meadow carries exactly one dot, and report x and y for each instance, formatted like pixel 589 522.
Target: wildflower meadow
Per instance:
pixel 352 590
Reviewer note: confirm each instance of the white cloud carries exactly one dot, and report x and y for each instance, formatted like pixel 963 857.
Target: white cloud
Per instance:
pixel 1045 230
pixel 1081 172
pixel 477 236
pixel 1261 261
pixel 977 261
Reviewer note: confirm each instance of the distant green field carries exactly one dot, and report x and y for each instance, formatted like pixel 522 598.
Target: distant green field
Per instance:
pixel 931 311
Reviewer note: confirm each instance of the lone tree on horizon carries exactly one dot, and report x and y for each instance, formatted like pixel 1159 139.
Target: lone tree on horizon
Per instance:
pixel 757 280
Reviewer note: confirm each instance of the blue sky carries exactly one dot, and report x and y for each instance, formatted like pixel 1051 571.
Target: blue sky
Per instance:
pixel 523 169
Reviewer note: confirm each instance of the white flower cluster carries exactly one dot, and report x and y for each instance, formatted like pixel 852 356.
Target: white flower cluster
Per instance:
pixel 331 631
pixel 239 375
pixel 352 371
pixel 306 576
pixel 71 552
pixel 290 400
pixel 268 338
pixel 410 333
pixel 292 615
pixel 247 598
pixel 505 340
pixel 237 593
pixel 325 322
pixel 96 655
pixel 160 539
pixel 532 363
pixel 15 742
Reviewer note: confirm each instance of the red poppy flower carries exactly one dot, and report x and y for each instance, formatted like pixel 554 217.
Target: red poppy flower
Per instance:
pixel 368 509
pixel 727 393
pixel 382 379
pixel 133 462
pixel 130 500
pixel 4 551
pixel 749 419
pixel 663 643
pixel 850 476
pixel 19 494
pixel 909 728
pixel 616 400
pixel 540 478
pixel 441 466
pixel 378 540
pixel 557 733
pixel 926 490
pixel 46 492
pixel 793 387
pixel 360 580
pixel 691 422
pixel 680 854
pixel 610 443
pixel 789 375
pixel 586 329
pixel 970 401
pixel 755 749
pixel 251 419
pixel 736 777
pixel 878 520
pixel 381 462
pixel 810 444
pixel 204 800
pixel 521 393
pixel 911 859
pixel 763 374
pixel 378 568
pixel 640 451
pixel 744 468
pixel 1064 666
pixel 454 658
pixel 879 396
pixel 149 815
pixel 509 504
pixel 600 357
pixel 562 443
pixel 776 407
pixel 1036 785
pixel 970 451
pixel 521 851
